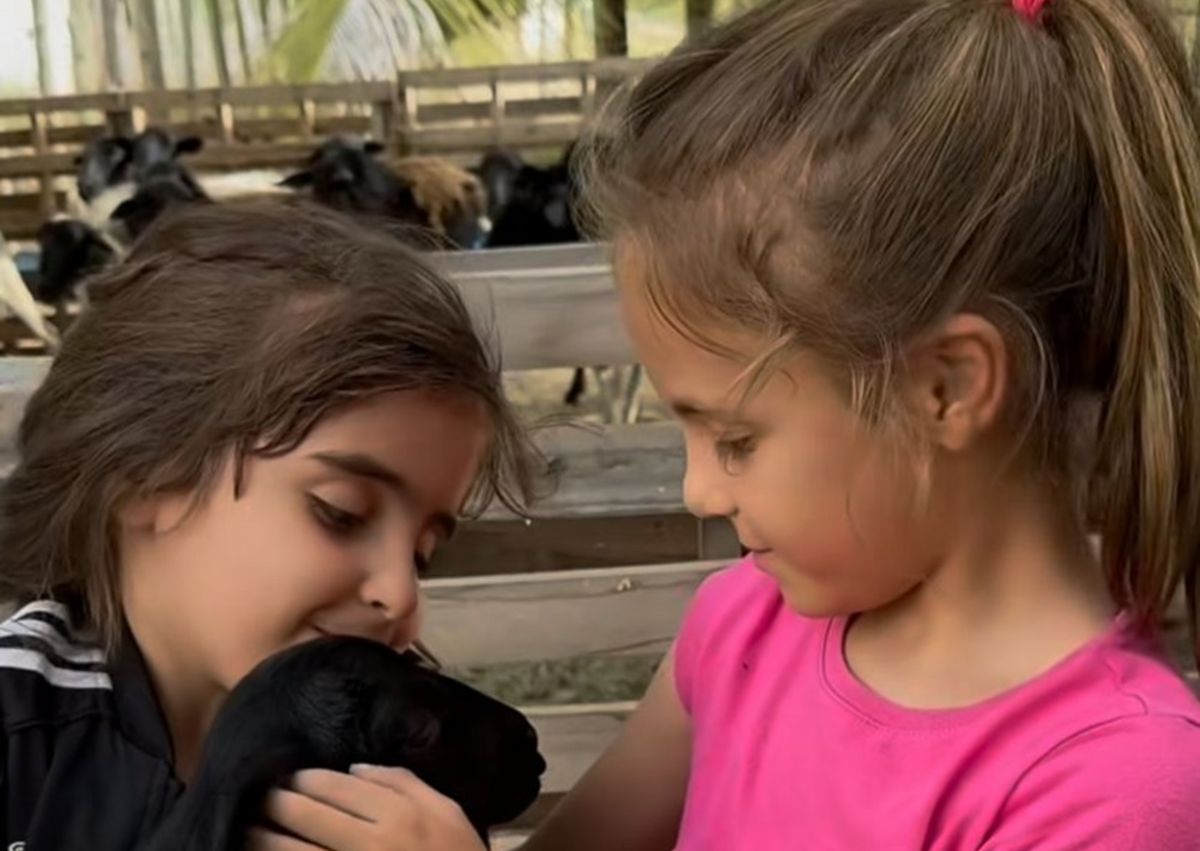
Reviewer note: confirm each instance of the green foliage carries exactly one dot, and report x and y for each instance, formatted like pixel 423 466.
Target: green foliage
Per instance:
pixel 296 56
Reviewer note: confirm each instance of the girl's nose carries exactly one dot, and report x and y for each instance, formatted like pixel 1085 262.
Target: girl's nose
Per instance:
pixel 705 490
pixel 392 591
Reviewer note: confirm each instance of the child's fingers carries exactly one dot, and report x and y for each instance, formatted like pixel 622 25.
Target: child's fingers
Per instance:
pixel 326 813
pixel 399 780
pixel 354 796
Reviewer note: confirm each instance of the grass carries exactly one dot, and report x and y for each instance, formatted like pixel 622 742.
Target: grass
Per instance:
pixel 578 680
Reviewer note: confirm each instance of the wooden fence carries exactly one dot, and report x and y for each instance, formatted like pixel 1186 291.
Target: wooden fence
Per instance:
pixel 605 566
pixel 456 113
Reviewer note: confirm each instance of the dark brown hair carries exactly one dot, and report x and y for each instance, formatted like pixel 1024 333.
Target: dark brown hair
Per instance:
pixel 844 174
pixel 230 328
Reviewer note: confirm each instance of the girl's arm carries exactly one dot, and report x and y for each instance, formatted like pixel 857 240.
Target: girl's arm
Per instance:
pixel 632 797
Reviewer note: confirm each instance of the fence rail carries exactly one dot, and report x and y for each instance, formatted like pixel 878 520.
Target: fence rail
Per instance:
pixel 456 113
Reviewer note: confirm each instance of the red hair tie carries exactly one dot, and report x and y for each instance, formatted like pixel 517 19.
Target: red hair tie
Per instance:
pixel 1029 8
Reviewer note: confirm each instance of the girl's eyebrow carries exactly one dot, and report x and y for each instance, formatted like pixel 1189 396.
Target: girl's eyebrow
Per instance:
pixel 689 409
pixel 364 466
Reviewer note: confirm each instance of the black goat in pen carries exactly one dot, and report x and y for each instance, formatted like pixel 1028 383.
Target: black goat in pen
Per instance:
pixel 333 702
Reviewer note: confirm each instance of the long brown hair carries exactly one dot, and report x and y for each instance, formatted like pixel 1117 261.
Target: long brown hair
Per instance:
pixel 230 328
pixel 844 174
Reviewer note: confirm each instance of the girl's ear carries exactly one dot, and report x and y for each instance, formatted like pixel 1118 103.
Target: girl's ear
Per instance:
pixel 958 379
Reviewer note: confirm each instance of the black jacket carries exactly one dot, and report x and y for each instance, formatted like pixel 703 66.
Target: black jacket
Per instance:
pixel 86 758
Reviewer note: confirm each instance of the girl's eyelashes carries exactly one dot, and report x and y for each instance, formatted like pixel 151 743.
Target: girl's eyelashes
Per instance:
pixel 343 523
pixel 337 520
pixel 734 449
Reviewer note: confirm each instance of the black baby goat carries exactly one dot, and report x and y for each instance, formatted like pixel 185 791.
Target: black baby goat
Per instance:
pixel 333 702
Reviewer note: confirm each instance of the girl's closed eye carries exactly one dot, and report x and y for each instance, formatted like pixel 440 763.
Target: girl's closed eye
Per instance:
pixel 335 518
pixel 735 448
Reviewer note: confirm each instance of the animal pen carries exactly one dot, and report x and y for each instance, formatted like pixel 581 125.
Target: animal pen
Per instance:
pixel 454 113
pixel 606 565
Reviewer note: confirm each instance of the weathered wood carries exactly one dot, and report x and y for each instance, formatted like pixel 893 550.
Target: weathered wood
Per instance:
pixel 524 617
pixel 612 470
pixel 617 500
pixel 551 318
pixel 492 547
pixel 552 314
pixel 360 91
pixel 580 255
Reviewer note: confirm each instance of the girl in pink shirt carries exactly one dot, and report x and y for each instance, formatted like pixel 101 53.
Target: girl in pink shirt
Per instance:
pixel 921 280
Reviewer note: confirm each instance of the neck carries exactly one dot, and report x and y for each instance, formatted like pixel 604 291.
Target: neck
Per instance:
pixel 187 699
pixel 1017 589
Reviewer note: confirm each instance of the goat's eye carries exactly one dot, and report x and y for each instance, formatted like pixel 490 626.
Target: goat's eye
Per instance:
pixel 337 520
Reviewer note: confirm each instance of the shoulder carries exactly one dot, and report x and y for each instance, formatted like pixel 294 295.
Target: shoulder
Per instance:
pixel 736 613
pixel 1129 782
pixel 47 669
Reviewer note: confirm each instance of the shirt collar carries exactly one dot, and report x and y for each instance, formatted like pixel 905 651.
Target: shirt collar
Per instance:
pixel 139 714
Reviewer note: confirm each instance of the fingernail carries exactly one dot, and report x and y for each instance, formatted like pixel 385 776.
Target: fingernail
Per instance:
pixel 362 766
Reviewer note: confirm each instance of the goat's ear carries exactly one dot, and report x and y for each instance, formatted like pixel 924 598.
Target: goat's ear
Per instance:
pixel 424 729
pixel 412 728
pixel 189 145
pixel 297 180
pixel 373 147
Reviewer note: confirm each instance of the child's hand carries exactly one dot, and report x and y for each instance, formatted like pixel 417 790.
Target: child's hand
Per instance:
pixel 370 809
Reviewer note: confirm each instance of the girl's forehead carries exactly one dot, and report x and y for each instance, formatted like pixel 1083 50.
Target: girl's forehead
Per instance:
pixel 402 430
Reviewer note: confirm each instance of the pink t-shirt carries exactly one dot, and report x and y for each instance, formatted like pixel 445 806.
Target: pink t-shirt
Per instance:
pixel 791 751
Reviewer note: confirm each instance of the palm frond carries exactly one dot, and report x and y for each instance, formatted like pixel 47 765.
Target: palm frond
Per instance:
pixel 296 56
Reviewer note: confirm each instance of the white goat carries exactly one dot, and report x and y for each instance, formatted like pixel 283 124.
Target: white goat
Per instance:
pixel 16 300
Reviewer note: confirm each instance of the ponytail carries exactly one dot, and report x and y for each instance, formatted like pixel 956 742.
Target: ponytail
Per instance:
pixel 1133 100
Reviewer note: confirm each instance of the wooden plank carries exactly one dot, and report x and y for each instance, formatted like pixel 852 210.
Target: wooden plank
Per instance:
pixel 611 68
pixel 602 471
pixel 525 617
pixel 19 377
pixel 362 91
pixel 481 110
pixel 541 257
pixel 513 133
pixel 612 470
pixel 551 317
pixel 490 547
pixel 570 741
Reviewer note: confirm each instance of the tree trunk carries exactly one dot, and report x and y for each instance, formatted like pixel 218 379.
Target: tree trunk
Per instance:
pixel 110 11
pixel 188 22
pixel 42 43
pixel 612 37
pixel 216 20
pixel 87 45
pixel 145 18
pixel 700 14
pixel 247 59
